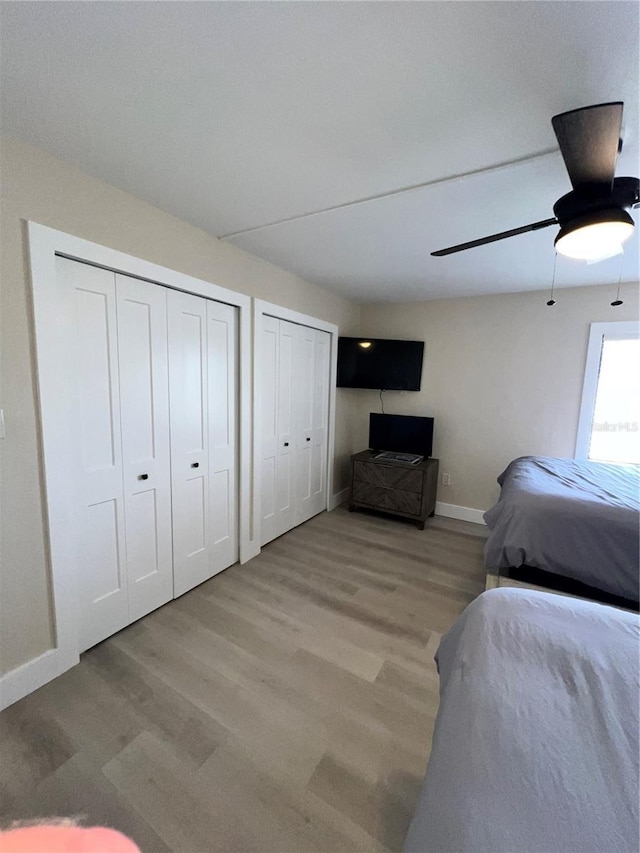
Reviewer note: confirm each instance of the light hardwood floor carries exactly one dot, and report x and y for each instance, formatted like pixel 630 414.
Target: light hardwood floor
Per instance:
pixel 284 705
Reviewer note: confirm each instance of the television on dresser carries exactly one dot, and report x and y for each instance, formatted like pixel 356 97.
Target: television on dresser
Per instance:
pixel 401 434
pixel 380 363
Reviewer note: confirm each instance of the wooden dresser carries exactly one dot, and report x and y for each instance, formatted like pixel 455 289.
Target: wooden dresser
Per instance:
pixel 398 488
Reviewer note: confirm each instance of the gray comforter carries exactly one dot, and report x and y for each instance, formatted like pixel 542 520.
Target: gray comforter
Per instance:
pixel 535 746
pixel 577 519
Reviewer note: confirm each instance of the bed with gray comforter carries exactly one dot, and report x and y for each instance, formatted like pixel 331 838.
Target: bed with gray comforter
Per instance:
pixel 575 519
pixel 535 746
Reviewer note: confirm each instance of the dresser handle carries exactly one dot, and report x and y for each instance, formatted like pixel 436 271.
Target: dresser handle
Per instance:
pixel 143 476
pixel 195 464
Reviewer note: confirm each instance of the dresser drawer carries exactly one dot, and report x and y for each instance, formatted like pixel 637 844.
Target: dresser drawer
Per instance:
pixel 398 500
pixel 390 476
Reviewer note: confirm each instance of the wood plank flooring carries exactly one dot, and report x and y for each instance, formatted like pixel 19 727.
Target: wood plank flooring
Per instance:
pixel 284 705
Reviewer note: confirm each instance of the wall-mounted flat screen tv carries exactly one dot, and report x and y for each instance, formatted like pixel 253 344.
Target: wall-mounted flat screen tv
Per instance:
pixel 401 434
pixel 380 363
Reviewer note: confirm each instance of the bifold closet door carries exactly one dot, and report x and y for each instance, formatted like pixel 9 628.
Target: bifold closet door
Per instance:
pixel 144 407
pixel 203 403
pixel 222 356
pixel 313 414
pixel 103 605
pixel 294 415
pixel 303 378
pixel 269 444
pixel 122 407
pixel 278 474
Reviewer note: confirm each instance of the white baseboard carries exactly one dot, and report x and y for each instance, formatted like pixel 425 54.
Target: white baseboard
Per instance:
pixel 338 498
pixel 30 676
pixel 464 513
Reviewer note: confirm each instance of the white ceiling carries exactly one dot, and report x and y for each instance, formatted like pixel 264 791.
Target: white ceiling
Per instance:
pixel 235 115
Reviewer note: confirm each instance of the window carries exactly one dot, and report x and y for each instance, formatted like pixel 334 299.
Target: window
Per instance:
pixel 609 426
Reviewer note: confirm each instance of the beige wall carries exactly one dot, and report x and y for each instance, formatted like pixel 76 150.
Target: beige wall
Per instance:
pixel 38 187
pixel 502 376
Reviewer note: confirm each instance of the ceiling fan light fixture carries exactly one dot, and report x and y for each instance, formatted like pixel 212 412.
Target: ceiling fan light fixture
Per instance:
pixel 595 235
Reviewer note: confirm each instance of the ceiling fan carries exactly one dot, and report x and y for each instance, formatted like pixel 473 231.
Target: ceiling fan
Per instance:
pixel 593 218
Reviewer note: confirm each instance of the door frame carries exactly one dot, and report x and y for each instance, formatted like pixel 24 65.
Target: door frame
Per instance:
pixel 59 434
pixel 279 312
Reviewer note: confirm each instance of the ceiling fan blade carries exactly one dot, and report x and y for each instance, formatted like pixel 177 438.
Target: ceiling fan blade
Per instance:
pixel 589 139
pixel 534 226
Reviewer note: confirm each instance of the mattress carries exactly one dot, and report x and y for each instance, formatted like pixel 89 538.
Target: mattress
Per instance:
pixel 575 519
pixel 535 746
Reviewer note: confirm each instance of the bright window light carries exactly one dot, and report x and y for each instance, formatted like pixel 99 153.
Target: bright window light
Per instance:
pixel 615 426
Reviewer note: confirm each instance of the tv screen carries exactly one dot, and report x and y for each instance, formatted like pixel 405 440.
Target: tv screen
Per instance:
pixel 401 434
pixel 380 363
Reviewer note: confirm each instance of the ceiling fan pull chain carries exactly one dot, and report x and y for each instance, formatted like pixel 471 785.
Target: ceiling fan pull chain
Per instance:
pixel 617 301
pixel 551 300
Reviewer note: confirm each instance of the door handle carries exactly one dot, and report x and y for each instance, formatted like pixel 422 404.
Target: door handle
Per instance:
pixel 143 476
pixel 195 464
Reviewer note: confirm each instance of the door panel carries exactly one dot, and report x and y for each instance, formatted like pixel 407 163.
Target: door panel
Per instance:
pixel 222 349
pixel 194 517
pixel 285 482
pixel 203 366
pixel 222 528
pixel 98 412
pixel 315 419
pixel 144 559
pixel 285 457
pixel 144 396
pixel 318 472
pixel 192 337
pixel 103 596
pixel 269 351
pixel 187 316
pixel 104 569
pixel 268 499
pixel 320 421
pixel 304 394
pixel 136 371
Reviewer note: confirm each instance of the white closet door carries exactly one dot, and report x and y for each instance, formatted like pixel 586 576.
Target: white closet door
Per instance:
pixel 103 598
pixel 317 500
pixel 286 486
pixel 222 348
pixel 278 428
pixel 189 439
pixel 144 402
pixel 304 394
pixel 294 404
pixel 270 346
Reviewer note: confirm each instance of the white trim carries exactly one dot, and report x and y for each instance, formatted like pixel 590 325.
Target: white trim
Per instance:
pixel 257 444
pixel 282 313
pixel 339 498
pixel 261 308
pixel 597 333
pixel 30 676
pixel 464 513
pixel 53 323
